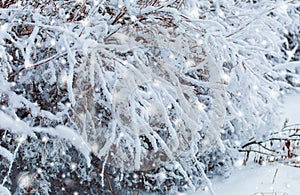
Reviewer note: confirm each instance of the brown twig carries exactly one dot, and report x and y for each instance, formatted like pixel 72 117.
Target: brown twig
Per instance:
pixel 256 151
pixel 79 11
pixel 155 3
pixel 275 174
pixel 186 141
pixel 109 184
pixel 120 15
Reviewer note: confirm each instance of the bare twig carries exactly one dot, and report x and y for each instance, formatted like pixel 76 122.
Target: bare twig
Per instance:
pixel 180 4
pixel 275 174
pixel 281 146
pixel 42 62
pixel 109 184
pixel 255 18
pixel 120 15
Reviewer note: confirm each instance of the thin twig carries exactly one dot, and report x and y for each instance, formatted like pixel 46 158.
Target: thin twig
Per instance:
pixel 180 4
pixel 257 151
pixel 275 176
pixel 109 184
pixel 120 15
pixel 79 11
pixel 11 164
pixel 255 18
pixel 42 62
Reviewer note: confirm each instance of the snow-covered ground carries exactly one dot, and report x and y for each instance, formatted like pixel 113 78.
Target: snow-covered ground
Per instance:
pixel 291 108
pixel 255 179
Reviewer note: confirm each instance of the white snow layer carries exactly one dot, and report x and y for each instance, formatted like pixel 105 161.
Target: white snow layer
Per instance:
pixel 291 108
pixel 6 154
pixel 15 125
pixel 257 180
pixel 4 190
pixel 20 127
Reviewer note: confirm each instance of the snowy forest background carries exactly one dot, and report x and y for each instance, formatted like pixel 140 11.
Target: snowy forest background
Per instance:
pixel 136 96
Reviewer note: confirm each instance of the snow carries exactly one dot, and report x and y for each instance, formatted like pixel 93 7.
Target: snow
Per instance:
pixel 15 126
pixel 25 179
pixel 4 190
pixel 76 140
pixel 256 179
pixel 291 108
pixel 146 64
pixel 6 154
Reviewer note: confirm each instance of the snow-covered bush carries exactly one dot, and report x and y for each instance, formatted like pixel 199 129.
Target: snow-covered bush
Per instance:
pixel 143 95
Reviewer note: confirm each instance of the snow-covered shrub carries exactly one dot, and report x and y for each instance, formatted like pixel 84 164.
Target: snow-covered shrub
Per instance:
pixel 289 67
pixel 145 95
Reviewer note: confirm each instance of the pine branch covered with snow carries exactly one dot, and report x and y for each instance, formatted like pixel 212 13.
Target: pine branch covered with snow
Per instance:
pixel 122 96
